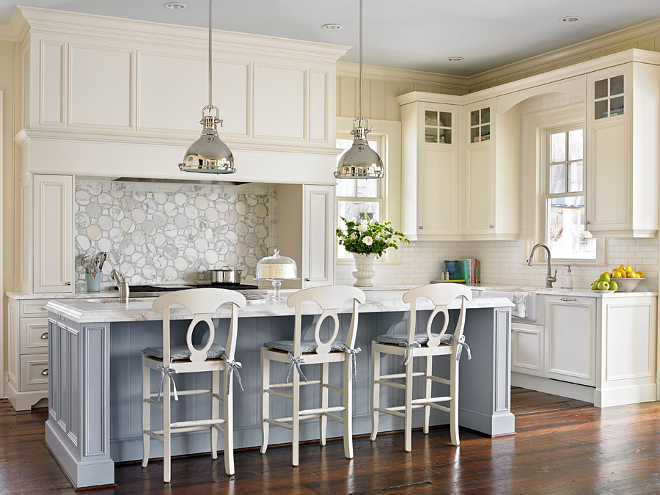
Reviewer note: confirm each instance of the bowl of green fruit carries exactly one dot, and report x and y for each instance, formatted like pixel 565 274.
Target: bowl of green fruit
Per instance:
pixel 604 283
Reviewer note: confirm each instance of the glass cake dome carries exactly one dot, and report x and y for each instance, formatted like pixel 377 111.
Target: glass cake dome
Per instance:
pixel 276 268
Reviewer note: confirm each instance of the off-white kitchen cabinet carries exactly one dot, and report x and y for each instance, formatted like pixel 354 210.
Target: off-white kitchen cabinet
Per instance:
pixel 46 233
pixel 570 339
pixel 527 348
pixel 623 124
pixel 430 144
pixel 27 369
pixel 305 232
pixel 492 172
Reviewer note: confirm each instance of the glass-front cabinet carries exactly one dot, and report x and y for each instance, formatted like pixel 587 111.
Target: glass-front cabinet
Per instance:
pixel 480 125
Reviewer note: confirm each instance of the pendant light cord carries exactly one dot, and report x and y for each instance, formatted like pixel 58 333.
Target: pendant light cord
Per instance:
pixel 211 54
pixel 360 62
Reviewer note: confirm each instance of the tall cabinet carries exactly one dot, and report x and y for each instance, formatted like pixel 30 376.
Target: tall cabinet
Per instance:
pixel 623 124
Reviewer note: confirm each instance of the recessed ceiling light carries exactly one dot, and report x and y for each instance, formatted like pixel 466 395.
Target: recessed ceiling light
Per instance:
pixel 455 59
pixel 570 18
pixel 175 5
pixel 332 27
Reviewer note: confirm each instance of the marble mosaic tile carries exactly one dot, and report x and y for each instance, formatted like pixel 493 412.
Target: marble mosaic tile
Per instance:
pixel 172 233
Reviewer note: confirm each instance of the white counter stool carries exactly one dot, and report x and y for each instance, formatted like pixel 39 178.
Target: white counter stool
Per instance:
pixel 296 353
pixel 427 345
pixel 173 359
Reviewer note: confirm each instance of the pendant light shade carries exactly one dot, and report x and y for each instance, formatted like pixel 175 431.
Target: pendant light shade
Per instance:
pixel 360 161
pixel 209 154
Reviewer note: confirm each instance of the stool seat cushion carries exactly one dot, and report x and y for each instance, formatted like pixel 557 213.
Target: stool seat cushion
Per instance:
pixel 421 338
pixel 181 352
pixel 305 347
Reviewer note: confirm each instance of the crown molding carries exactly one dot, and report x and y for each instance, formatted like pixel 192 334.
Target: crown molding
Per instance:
pixel 562 57
pixel 403 75
pixel 144 32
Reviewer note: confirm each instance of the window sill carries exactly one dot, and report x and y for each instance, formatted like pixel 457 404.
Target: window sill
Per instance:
pixel 344 261
pixel 565 262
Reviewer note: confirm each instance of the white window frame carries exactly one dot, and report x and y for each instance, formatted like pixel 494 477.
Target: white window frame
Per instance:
pixel 535 168
pixel 388 134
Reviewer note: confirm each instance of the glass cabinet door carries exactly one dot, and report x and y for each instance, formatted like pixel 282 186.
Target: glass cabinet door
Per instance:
pixel 437 127
pixel 480 125
pixel 608 97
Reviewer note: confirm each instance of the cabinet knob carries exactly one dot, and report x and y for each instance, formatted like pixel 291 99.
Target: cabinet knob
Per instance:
pixel 421 226
pixel 567 299
pixel 44 372
pixel 587 222
pixel 44 336
pixel 491 226
pixel 67 283
pixel 307 279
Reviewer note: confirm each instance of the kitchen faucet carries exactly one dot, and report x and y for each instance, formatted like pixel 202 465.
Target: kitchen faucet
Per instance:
pixel 549 278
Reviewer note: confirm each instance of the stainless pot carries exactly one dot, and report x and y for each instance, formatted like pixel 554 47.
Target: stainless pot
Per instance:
pixel 226 275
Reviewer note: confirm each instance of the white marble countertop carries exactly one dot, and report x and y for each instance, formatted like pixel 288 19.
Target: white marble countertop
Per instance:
pixel 140 309
pixel 561 292
pixel 103 293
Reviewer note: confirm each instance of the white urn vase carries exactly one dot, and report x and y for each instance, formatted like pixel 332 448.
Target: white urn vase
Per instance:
pixel 364 269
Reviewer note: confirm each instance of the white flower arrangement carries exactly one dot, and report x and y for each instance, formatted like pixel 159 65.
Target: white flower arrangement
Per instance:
pixel 369 236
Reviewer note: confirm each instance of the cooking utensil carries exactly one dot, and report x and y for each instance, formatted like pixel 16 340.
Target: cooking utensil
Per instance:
pixel 101 256
pixel 226 275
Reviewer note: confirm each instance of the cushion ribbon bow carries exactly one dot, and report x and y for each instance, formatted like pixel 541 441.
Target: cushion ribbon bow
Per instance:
pixel 352 358
pixel 232 369
pixel 167 371
pixel 295 362
pixel 408 353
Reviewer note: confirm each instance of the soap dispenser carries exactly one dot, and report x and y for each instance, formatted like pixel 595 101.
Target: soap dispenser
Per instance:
pixel 568 284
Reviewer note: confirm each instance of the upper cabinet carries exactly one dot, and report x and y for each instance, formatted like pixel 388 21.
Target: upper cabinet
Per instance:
pixel 430 170
pixel 461 174
pixel 137 90
pixel 623 124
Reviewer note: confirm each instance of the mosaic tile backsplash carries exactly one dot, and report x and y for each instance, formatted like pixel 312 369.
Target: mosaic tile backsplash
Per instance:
pixel 172 233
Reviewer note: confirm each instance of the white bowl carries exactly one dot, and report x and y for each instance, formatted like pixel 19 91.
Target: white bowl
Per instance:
pixel 627 284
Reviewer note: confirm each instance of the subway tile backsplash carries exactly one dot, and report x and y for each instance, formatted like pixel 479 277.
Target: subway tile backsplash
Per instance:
pixel 172 233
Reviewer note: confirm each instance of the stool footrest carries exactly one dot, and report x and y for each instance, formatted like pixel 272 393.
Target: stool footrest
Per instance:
pixel 290 384
pixel 154 435
pixel 431 400
pixel 278 393
pixel 219 428
pixel 197 422
pixel 439 380
pixel 321 410
pixel 332 387
pixel 439 407
pixel 279 423
pixel 402 375
pixel 335 418
pixel 219 398
pixel 181 393
pixel 391 384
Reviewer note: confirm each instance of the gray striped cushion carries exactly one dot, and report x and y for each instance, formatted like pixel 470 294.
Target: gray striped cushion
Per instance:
pixel 422 338
pixel 181 352
pixel 305 347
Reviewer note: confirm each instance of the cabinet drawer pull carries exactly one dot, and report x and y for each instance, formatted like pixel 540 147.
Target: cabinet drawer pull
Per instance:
pixel 491 226
pixel 421 227
pixel 567 299
pixel 67 283
pixel 587 222
pixel 44 336
pixel 44 372
pixel 308 280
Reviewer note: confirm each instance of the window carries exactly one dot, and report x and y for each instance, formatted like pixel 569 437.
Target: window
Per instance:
pixel 358 197
pixel 564 196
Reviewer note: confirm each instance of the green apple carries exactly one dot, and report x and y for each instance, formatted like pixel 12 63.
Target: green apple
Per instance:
pixel 594 285
pixel 605 277
pixel 613 285
pixel 603 285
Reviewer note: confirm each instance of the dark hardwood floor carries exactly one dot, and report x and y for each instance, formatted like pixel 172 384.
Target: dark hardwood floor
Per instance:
pixel 562 446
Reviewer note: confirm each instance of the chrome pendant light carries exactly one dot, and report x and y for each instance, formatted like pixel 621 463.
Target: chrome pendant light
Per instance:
pixel 360 161
pixel 209 154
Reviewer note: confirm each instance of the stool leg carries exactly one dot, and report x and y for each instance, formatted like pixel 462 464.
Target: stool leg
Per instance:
pixel 167 419
pixel 348 409
pixel 296 417
pixel 375 390
pixel 146 413
pixel 408 406
pixel 265 402
pixel 215 412
pixel 428 372
pixel 453 405
pixel 323 401
pixel 229 426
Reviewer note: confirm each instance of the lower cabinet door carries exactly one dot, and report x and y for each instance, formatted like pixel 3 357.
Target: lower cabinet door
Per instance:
pixel 570 331
pixel 527 349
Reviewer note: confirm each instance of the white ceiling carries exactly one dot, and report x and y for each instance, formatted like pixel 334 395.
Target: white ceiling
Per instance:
pixel 410 34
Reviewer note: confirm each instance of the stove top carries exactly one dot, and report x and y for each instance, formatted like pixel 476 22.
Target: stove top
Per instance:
pixel 145 290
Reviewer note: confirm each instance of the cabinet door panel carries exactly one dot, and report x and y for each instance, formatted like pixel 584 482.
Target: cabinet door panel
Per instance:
pixel 480 189
pixel 53 233
pixel 609 178
pixel 319 240
pixel 571 339
pixel 279 103
pixel 34 335
pixel 439 191
pixel 527 349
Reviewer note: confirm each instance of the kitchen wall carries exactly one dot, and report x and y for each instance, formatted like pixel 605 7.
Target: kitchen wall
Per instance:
pixel 156 232
pixel 503 261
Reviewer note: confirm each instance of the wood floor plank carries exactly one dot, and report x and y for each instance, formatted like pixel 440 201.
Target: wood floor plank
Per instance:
pixel 562 446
